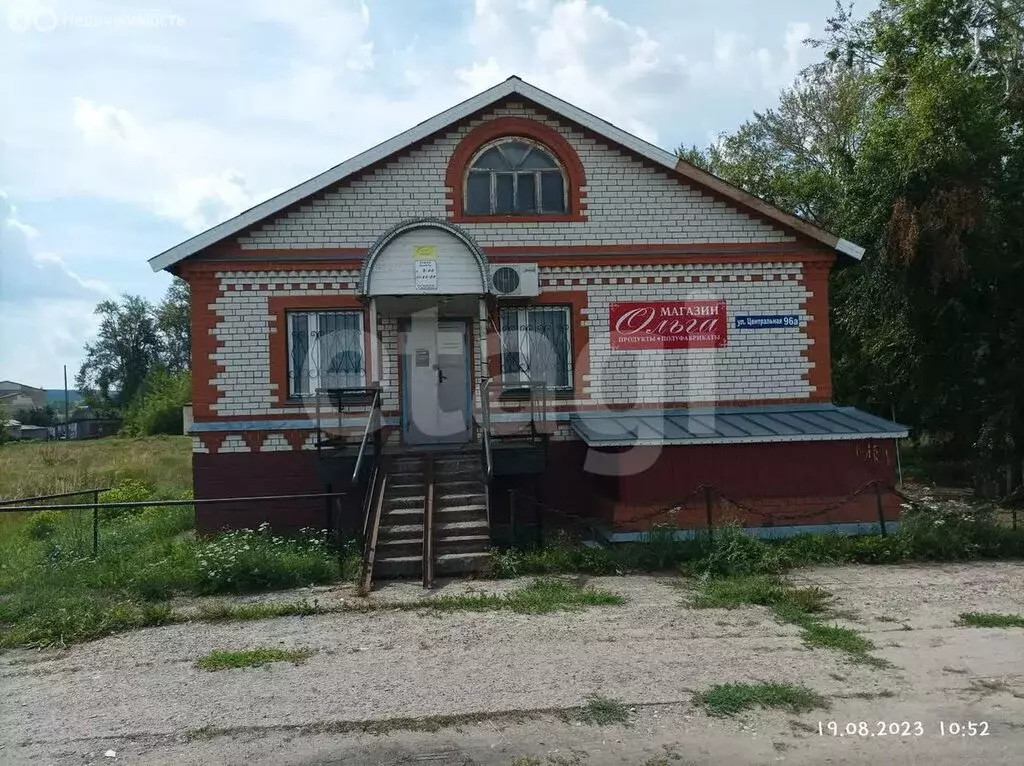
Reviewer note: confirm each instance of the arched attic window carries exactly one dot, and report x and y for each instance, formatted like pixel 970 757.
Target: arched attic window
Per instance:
pixel 515 176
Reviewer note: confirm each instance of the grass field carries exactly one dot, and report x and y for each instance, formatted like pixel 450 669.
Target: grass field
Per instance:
pixel 162 462
pixel 52 589
pixel 28 469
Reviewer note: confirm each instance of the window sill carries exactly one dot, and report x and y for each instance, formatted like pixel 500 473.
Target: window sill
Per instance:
pixel 523 395
pixel 553 218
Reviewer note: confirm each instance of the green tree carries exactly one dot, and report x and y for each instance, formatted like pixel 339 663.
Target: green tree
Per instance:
pixel 908 139
pixel 37 416
pixel 173 324
pixel 127 347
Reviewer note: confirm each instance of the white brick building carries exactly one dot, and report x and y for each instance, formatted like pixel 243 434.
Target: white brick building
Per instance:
pixel 515 266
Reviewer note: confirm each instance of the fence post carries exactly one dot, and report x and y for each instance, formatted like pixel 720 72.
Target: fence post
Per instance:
pixel 1014 517
pixel 708 510
pixel 881 511
pixel 512 517
pixel 95 523
pixel 329 526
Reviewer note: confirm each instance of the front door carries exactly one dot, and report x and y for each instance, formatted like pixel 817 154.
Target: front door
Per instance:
pixel 435 381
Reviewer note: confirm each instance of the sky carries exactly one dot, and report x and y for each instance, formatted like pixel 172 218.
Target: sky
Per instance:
pixel 126 127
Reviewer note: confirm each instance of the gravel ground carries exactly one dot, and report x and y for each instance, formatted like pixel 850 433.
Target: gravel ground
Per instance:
pixel 141 695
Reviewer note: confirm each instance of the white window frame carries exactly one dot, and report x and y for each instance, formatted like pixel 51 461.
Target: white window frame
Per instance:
pixel 313 352
pixel 534 174
pixel 509 378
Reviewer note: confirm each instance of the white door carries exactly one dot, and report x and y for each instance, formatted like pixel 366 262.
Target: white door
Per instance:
pixel 436 381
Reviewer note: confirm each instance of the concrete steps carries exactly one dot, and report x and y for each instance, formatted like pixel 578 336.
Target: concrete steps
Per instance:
pixel 461 534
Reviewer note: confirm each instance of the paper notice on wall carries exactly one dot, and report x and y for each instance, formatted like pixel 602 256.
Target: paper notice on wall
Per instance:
pixel 426 275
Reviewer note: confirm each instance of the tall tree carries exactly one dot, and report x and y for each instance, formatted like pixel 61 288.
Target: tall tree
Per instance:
pixel 172 322
pixel 908 139
pixel 126 349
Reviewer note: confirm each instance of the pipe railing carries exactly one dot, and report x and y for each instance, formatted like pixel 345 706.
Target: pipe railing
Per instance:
pixel 428 522
pixel 370 551
pixel 372 426
pixel 485 412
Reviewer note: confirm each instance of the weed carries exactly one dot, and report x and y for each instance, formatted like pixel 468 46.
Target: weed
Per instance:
pixel 803 607
pixel 729 699
pixel 252 658
pixel 221 612
pixel 835 637
pixel 992 620
pixel 884 694
pixel 540 596
pixel 988 686
pixel 602 711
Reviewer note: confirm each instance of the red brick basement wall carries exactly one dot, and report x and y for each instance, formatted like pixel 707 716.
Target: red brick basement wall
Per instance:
pixel 779 484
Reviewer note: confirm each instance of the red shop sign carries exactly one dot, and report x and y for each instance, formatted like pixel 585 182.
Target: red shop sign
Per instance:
pixel 668 324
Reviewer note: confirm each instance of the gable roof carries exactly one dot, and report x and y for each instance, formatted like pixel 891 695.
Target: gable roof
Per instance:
pixel 512 86
pixel 12 385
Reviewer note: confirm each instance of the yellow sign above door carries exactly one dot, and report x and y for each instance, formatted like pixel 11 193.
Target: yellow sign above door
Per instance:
pixel 424 252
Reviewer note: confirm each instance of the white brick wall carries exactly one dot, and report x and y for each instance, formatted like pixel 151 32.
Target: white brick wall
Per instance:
pixel 755 364
pixel 760 364
pixel 275 443
pixel 627 203
pixel 245 325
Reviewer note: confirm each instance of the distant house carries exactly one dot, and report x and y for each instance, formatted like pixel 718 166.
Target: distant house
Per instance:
pixel 87 424
pixel 18 396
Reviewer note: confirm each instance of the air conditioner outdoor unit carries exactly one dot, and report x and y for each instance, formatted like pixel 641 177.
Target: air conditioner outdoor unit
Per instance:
pixel 515 280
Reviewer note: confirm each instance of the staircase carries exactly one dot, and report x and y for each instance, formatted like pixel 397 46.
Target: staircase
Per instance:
pixel 461 534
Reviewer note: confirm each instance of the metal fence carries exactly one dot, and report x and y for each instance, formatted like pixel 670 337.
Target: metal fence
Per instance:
pixel 16 506
pixel 20 507
pixel 532 524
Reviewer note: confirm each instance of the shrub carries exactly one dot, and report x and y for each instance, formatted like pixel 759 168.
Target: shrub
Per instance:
pixel 159 409
pixel 729 550
pixel 126 491
pixel 42 525
pixel 250 560
pixel 946 533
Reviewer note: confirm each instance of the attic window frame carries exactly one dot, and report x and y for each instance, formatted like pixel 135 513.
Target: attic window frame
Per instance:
pixel 535 174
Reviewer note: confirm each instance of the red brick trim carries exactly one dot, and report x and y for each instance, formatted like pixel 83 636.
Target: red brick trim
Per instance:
pixel 213 441
pixel 279 260
pixel 205 292
pixel 577 300
pixel 503 127
pixel 580 255
pixel 277 307
pixel 254 439
pixel 814 279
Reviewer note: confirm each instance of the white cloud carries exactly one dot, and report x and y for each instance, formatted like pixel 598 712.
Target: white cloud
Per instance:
pixel 28 273
pixel 45 308
pixel 147 167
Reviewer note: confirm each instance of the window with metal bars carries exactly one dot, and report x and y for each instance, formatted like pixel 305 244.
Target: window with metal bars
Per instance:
pixel 325 350
pixel 536 345
pixel 515 177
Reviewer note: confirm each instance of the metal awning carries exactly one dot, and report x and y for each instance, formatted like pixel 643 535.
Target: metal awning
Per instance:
pixel 732 425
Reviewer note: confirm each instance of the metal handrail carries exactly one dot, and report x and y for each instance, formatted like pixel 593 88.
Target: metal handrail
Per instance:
pixel 370 552
pixel 374 414
pixel 168 503
pixel 428 522
pixel 368 500
pixel 37 498
pixel 485 411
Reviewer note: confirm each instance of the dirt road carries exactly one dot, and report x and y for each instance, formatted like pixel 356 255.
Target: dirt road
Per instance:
pixel 499 680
